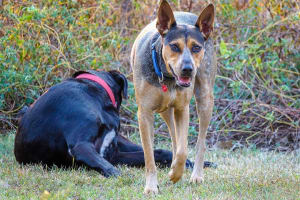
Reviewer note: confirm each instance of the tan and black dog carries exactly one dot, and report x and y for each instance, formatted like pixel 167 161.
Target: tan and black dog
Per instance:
pixel 172 59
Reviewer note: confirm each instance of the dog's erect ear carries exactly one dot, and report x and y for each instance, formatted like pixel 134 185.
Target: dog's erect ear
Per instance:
pixel 205 21
pixel 165 18
pixel 122 81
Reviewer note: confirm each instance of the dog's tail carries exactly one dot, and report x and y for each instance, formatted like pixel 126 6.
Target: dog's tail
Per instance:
pixel 22 112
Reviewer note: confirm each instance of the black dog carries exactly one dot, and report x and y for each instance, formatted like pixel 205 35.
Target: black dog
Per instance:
pixel 77 122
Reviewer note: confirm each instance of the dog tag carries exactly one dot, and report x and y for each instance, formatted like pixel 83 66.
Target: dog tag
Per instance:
pixel 164 88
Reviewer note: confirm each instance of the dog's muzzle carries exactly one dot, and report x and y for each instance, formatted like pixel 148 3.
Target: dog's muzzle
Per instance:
pixel 185 77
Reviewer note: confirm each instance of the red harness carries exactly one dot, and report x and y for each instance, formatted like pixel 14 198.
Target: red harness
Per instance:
pixel 102 83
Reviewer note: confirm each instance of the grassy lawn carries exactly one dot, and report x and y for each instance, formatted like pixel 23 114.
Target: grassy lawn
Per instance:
pixel 243 174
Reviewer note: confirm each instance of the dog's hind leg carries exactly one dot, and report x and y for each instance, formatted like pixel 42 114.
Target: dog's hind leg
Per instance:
pixel 131 159
pixel 132 155
pixel 125 145
pixel 137 159
pixel 86 153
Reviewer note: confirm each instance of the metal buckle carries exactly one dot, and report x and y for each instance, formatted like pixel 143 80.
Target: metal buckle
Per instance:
pixel 161 79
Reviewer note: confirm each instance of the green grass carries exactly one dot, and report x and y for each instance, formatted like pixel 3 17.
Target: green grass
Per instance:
pixel 243 174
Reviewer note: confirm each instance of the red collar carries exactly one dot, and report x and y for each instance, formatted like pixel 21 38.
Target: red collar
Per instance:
pixel 100 82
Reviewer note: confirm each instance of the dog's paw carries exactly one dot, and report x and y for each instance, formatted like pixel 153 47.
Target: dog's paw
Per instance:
pixel 112 172
pixel 196 179
pixel 151 190
pixel 175 174
pixel 151 184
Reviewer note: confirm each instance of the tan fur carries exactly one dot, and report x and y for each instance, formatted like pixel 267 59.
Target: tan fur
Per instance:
pixel 175 58
pixel 197 57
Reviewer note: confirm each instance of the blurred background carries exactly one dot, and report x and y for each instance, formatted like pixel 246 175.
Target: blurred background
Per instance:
pixel 257 90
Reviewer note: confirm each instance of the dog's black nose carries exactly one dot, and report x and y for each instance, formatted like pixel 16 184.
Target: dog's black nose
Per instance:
pixel 187 69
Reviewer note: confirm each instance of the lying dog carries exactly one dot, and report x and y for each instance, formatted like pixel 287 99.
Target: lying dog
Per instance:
pixel 77 122
pixel 172 59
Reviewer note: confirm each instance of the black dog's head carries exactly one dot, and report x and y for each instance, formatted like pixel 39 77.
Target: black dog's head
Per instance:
pixel 117 82
pixel 183 45
pixel 121 80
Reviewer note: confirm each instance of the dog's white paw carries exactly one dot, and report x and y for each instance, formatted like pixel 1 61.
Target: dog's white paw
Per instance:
pixel 151 184
pixel 151 190
pixel 196 179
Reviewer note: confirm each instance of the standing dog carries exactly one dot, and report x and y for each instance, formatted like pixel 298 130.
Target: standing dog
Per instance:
pixel 172 59
pixel 77 122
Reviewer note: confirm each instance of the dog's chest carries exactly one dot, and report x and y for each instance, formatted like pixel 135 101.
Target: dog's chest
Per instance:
pixel 173 98
pixel 103 143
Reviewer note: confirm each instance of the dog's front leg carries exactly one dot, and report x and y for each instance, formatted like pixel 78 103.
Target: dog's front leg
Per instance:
pixel 86 153
pixel 168 116
pixel 181 131
pixel 205 102
pixel 146 119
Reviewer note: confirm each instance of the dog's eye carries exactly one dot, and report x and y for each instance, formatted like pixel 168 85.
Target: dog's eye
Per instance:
pixel 196 49
pixel 175 47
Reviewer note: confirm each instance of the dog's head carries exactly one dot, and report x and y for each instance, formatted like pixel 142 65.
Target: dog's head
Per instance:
pixel 183 45
pixel 121 80
pixel 118 83
pixel 116 80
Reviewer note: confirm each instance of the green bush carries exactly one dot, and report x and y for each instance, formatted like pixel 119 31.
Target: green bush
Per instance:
pixel 43 43
pixel 257 87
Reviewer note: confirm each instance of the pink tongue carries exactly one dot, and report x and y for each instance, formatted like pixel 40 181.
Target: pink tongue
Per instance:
pixel 184 79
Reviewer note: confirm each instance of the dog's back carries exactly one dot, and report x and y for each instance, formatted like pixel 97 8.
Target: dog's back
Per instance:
pixel 44 124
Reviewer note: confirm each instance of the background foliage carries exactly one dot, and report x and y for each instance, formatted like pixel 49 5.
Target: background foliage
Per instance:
pixel 258 44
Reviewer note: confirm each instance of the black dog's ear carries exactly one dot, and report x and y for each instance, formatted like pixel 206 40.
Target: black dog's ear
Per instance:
pixel 165 18
pixel 205 21
pixel 122 81
pixel 78 73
